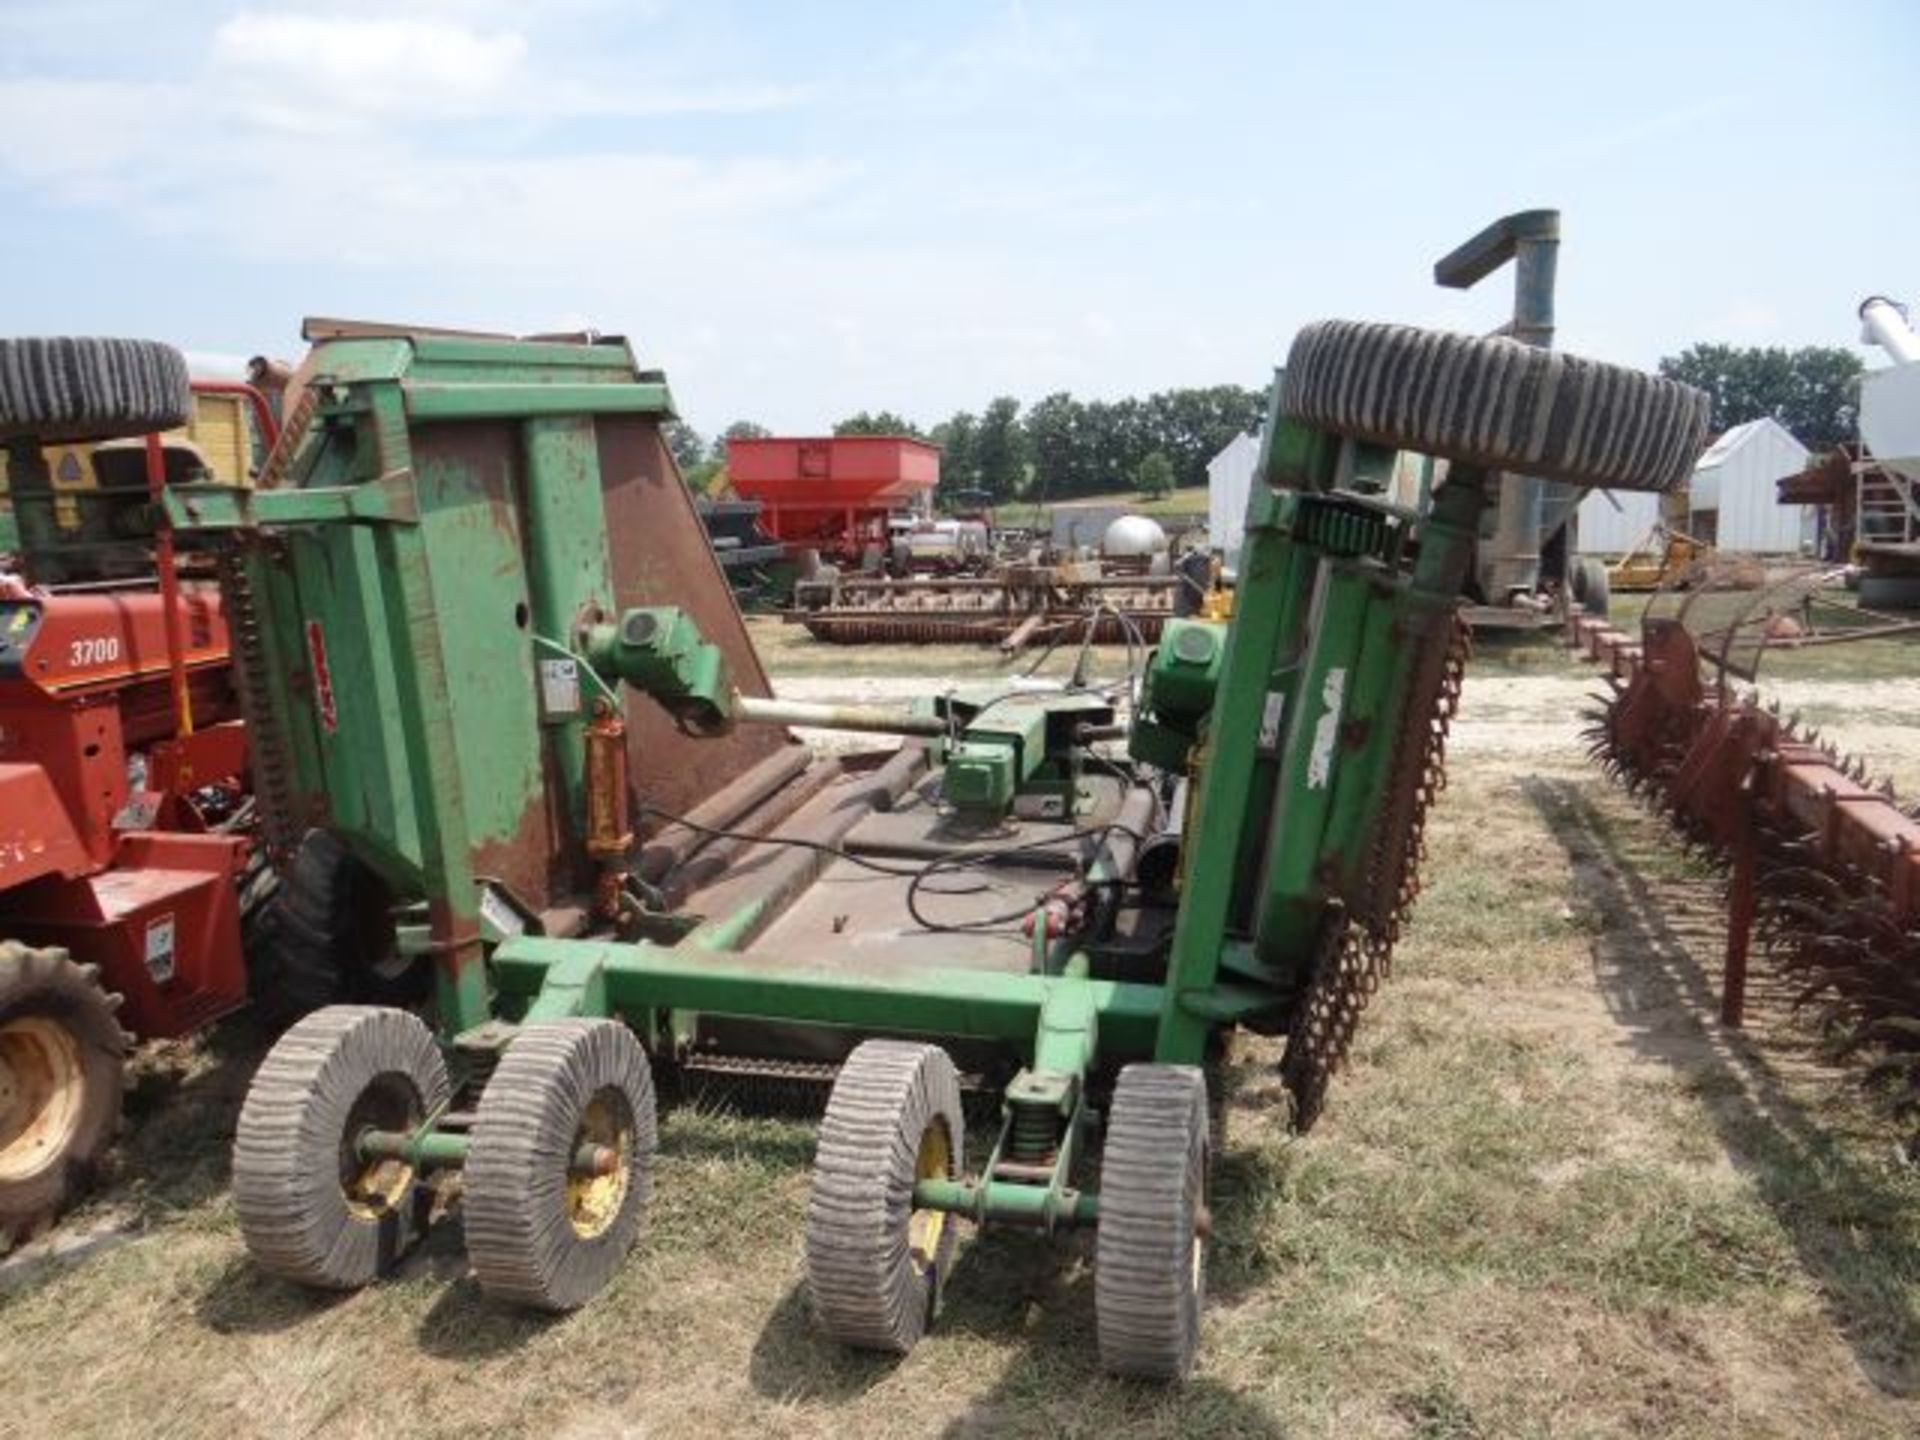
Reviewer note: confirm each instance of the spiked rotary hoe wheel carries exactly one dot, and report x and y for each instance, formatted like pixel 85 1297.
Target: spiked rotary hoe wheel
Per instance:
pixel 1150 1259
pixel 875 1262
pixel 61 1052
pixel 561 1170
pixel 313 1206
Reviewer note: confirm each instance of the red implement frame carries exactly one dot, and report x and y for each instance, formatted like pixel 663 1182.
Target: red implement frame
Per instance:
pixel 1729 769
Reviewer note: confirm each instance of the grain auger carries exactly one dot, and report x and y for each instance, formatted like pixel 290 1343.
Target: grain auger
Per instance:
pixel 509 677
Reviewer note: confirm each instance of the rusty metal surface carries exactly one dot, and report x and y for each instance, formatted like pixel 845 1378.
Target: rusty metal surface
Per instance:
pixel 661 557
pixel 671 844
pixel 1016 605
pixel 1825 861
pixel 771 876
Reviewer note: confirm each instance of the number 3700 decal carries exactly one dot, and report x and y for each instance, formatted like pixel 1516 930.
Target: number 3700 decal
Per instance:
pixel 94 650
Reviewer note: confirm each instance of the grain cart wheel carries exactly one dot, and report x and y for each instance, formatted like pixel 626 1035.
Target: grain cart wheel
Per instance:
pixel 311 1209
pixel 327 937
pixel 1591 587
pixel 544 1229
pixel 1495 403
pixel 875 1264
pixel 67 389
pixel 61 1058
pixel 1149 1276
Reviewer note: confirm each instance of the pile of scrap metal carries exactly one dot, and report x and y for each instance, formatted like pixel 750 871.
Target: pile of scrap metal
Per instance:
pixel 1822 860
pixel 1124 594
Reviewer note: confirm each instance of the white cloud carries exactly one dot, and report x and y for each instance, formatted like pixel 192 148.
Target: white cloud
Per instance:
pixel 342 73
pixel 370 65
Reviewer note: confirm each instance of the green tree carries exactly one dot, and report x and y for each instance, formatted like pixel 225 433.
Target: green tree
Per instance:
pixel 689 447
pixel 1056 447
pixel 959 467
pixel 883 422
pixel 738 430
pixel 1000 450
pixel 1813 391
pixel 1153 476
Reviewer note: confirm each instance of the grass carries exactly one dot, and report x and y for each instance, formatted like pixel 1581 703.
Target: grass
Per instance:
pixel 1549 1197
pixel 1187 502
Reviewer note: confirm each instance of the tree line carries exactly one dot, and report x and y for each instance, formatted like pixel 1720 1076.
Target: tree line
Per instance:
pixel 1056 449
pixel 1813 391
pixel 1062 447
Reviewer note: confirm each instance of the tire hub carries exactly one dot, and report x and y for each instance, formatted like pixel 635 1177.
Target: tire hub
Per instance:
pixel 42 1095
pixel 926 1227
pixel 375 1187
pixel 594 1200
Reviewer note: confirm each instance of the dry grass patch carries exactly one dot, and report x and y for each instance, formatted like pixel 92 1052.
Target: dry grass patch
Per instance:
pixel 1549 1197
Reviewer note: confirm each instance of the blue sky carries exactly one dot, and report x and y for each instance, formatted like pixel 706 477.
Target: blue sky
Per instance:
pixel 804 210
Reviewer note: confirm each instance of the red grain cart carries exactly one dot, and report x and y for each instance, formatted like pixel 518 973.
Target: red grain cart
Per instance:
pixel 834 494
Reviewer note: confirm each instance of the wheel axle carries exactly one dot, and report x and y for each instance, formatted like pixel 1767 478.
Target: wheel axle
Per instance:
pixel 447 1150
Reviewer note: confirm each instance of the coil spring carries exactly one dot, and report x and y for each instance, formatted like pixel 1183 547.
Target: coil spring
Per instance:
pixel 1035 1134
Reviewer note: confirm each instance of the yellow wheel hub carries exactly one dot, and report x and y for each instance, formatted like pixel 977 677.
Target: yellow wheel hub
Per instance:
pixel 43 1091
pixel 594 1200
pixel 926 1227
pixel 376 1187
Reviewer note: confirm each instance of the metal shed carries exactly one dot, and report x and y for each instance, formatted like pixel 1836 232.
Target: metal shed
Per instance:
pixel 1733 500
pixel 1613 522
pixel 1229 479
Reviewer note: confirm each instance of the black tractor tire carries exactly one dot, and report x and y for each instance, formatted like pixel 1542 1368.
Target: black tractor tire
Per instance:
pixel 540 1233
pixel 1495 403
pixel 326 937
pixel 63 389
pixel 1149 1275
pixel 875 1265
pixel 311 1210
pixel 1591 587
pixel 62 1072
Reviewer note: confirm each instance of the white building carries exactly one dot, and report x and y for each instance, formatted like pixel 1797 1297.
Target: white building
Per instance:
pixel 1612 522
pixel 1229 482
pixel 1732 501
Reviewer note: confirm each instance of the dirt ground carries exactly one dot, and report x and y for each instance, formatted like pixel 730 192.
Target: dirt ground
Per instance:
pixel 1549 1197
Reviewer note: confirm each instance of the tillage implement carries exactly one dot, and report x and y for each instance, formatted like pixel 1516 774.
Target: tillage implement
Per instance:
pixel 496 661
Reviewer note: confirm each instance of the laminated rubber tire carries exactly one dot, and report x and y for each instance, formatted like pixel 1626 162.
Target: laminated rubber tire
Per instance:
pixel 875 1265
pixel 62 1072
pixel 1150 1250
pixel 539 1232
pixel 1495 403
pixel 62 389
pixel 325 936
pixel 310 1209
pixel 1591 587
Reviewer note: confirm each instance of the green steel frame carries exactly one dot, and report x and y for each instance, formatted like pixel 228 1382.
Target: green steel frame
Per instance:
pixel 420 725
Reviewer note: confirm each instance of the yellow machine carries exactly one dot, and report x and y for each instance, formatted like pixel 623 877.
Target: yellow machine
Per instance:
pixel 1659 559
pixel 218 440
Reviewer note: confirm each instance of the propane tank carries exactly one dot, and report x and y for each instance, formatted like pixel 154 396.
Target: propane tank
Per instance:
pixel 1133 537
